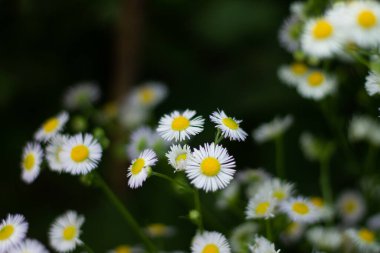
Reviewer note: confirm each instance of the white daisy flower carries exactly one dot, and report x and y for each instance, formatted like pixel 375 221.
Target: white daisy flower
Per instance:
pixel 321 38
pixel 328 239
pixel 30 246
pixel 229 126
pixel 351 207
pixel 364 240
pixel 138 171
pixel 180 125
pixel 82 94
pixel 364 128
pixel 292 74
pixel 273 129
pixel 242 236
pixel 141 138
pixel 53 152
pixel 12 231
pixel 293 232
pixel 300 209
pixel 126 249
pixel 317 84
pixel 51 127
pixel 210 242
pixel 178 156
pixel 362 21
pixel 279 190
pixel 80 154
pixel 65 231
pixel 372 83
pixel 31 162
pixel 289 34
pixel 148 95
pixel 210 167
pixel 261 206
pixel 159 230
pixel 262 245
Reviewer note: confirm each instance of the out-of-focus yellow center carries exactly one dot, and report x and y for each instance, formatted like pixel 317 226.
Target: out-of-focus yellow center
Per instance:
pixel 230 123
pixel 6 232
pixel 157 229
pixel 210 166
pixel 210 248
pixel 366 235
pixel 298 68
pixel 180 123
pixel 123 249
pixel 80 153
pixel 69 233
pixel 279 195
pixel 317 201
pixel 262 208
pixel 367 19
pixel 137 166
pixel 29 162
pixel 50 125
pixel 350 206
pixel 181 157
pixel 300 208
pixel 147 95
pixel 315 79
pixel 322 29
pixel 292 228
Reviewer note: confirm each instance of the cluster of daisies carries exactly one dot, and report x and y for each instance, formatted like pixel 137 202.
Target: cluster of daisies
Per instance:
pixel 63 234
pixel 76 154
pixel 208 167
pixel 346 30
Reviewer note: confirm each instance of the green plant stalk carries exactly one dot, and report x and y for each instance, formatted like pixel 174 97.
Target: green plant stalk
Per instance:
pixel 86 248
pixel 324 181
pixel 125 213
pixel 197 203
pixel 370 159
pixel 218 136
pixel 280 161
pixel 171 180
pixel 268 229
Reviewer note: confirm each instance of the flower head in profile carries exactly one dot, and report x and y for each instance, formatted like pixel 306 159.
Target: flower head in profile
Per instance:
pixel 12 231
pixel 80 154
pixel 210 167
pixel 30 246
pixel 141 138
pixel 327 239
pixel 51 127
pixel 65 231
pixel 364 128
pixel 210 242
pixel 289 33
pixel 243 235
pixel 81 95
pixel 363 239
pixel 262 245
pixel 180 126
pixel 273 129
pixel 31 162
pixel 229 126
pixel 372 83
pixel 179 156
pixel 138 171
pixel 53 152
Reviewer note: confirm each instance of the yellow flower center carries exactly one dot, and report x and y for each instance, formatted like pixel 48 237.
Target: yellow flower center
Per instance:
pixel 350 206
pixel 29 162
pixel 157 229
pixel 69 233
pixel 50 125
pixel 180 123
pixel 322 29
pixel 292 228
pixel 123 249
pixel 137 166
pixel 210 166
pixel 300 208
pixel 315 79
pixel 6 232
pixel 262 208
pixel 318 202
pixel 298 68
pixel 366 19
pixel 210 248
pixel 366 235
pixel 181 157
pixel 230 123
pixel 79 153
pixel 279 195
pixel 147 95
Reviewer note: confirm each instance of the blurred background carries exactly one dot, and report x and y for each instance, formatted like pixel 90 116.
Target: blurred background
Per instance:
pixel 211 54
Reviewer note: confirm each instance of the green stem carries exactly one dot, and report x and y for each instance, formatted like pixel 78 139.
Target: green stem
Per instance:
pixel 218 136
pixel 197 203
pixel 171 180
pixel 324 181
pixel 86 248
pixel 371 156
pixel 268 229
pixel 280 161
pixel 359 58
pixel 124 212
